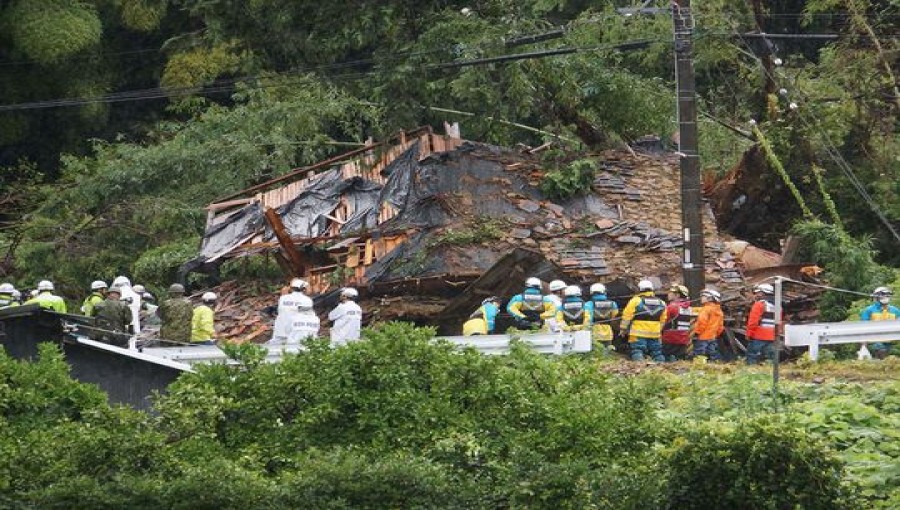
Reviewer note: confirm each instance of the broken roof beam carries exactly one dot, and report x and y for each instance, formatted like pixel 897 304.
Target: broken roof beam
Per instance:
pixel 295 259
pixel 324 164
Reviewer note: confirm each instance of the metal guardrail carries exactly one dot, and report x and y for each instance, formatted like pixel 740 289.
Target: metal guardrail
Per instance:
pixel 832 333
pixel 544 343
pixel 184 357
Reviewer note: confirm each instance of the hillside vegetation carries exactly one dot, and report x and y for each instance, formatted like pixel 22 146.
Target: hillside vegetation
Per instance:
pixel 174 103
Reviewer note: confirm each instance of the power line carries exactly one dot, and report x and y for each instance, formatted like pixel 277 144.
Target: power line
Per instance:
pixel 227 84
pixel 839 160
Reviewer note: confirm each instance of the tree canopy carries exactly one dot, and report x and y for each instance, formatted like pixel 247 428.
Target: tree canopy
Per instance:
pixel 176 102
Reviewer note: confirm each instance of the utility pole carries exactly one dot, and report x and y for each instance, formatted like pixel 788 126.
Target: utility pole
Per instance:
pixel 691 200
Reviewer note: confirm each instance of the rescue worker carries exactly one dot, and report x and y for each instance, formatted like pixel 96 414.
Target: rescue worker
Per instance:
pixel 148 307
pixel 146 296
pixel 483 320
pixel 46 298
pixel 305 324
pixel 531 307
pixel 761 324
pixel 113 317
pixel 557 287
pixel 603 310
pixel 710 326
pixel 573 314
pixel 346 318
pixel 17 296
pixel 880 310
pixel 287 308
pixel 203 331
pixel 7 296
pixel 132 299
pixel 97 295
pixel 642 322
pixel 176 314
pixel 680 317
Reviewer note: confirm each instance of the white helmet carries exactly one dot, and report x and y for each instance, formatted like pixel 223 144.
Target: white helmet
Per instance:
pixel 645 285
pixel 533 282
pixel 764 288
pixel 882 292
pixel 98 284
pixel 7 288
pixel 349 292
pixel 140 289
pixel 121 281
pixel 299 284
pixel 45 285
pixel 16 294
pixel 712 294
pixel 598 288
pixel 572 290
pixel 557 285
pixel 208 296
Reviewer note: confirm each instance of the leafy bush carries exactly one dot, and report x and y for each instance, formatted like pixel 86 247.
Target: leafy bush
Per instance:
pixel 849 264
pixel 758 464
pixel 402 420
pixel 159 266
pixel 569 180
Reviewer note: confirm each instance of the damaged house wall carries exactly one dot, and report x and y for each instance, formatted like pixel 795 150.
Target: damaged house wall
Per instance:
pixel 428 215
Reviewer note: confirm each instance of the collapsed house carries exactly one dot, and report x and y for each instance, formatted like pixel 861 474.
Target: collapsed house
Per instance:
pixel 427 225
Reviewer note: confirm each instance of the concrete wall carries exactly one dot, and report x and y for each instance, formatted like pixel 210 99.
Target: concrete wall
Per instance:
pixel 126 380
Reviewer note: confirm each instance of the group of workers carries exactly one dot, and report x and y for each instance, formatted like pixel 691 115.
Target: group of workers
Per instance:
pixel 120 309
pixel 651 327
pixel 296 319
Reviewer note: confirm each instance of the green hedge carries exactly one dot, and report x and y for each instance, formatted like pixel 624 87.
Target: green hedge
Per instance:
pixel 402 421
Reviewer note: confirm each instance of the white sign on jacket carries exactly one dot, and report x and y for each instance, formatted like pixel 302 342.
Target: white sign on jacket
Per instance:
pixel 288 306
pixel 347 318
pixel 305 324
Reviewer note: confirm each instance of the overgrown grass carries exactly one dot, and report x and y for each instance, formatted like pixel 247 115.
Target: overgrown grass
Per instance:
pixel 478 230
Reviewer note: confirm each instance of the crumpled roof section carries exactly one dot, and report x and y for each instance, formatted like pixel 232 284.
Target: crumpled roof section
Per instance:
pixel 429 214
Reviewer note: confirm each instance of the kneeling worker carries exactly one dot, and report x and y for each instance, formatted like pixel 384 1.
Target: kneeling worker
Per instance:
pixel 531 307
pixel 483 320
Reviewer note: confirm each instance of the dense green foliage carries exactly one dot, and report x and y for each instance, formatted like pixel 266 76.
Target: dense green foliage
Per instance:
pixel 401 421
pixel 226 95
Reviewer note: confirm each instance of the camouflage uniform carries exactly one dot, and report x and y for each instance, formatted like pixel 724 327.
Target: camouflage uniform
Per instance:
pixel 112 316
pixel 176 315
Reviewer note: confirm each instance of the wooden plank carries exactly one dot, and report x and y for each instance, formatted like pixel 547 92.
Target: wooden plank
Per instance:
pixel 370 251
pixel 230 203
pixel 334 219
pixel 293 256
pixel 353 257
pixel 322 164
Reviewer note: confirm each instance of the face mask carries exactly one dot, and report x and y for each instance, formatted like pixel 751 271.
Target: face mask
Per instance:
pixel 884 300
